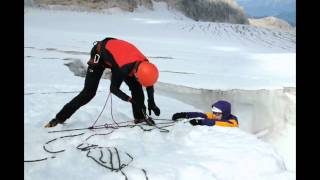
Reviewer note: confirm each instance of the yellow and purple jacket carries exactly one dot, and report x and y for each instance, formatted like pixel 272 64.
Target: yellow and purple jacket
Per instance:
pixel 209 119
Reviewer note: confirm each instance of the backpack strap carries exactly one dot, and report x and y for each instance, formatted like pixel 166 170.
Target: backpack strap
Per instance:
pixel 106 56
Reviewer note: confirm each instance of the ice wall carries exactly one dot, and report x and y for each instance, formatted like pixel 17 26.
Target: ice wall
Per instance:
pixel 257 110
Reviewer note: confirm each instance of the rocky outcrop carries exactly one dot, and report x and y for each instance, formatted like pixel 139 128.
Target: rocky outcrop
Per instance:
pixel 126 5
pixel 199 10
pixel 211 10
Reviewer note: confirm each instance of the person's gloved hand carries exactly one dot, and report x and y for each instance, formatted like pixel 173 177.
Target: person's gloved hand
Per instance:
pixel 152 106
pixel 195 122
pixel 179 115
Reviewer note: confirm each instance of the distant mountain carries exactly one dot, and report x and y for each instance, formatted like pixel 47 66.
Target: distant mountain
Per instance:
pixel 227 11
pixel 271 22
pixel 284 9
pixel 210 10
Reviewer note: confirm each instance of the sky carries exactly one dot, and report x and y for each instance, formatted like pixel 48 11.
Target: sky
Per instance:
pixel 284 9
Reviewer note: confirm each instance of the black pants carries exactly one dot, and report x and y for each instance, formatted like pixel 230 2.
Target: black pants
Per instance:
pixel 92 80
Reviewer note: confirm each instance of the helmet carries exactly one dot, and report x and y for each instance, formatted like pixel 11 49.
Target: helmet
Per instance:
pixel 147 74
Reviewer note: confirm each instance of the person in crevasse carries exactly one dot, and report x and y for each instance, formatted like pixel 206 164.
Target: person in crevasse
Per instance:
pixel 219 116
pixel 127 64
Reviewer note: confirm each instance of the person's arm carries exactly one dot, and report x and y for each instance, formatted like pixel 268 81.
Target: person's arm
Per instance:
pixel 188 115
pixel 207 119
pixel 208 122
pixel 151 104
pixel 150 92
pixel 116 81
pixel 196 115
pixel 213 122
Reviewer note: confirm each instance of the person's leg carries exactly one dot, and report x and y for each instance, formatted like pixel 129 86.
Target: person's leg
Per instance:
pixel 138 96
pixel 92 80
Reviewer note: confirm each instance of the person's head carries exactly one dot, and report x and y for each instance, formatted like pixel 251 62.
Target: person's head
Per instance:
pixel 146 73
pixel 221 109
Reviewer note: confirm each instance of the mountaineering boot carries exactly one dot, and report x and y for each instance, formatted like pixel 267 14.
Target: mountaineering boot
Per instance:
pixel 137 121
pixel 148 120
pixel 52 123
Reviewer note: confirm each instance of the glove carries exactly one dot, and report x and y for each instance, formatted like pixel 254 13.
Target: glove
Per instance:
pixel 195 122
pixel 152 106
pixel 179 115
